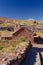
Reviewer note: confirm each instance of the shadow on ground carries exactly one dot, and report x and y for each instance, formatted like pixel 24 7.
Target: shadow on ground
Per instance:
pixel 41 59
pixel 31 56
pixel 38 40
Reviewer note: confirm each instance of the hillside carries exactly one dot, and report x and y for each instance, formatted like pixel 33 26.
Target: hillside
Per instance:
pixel 7 21
pixel 18 40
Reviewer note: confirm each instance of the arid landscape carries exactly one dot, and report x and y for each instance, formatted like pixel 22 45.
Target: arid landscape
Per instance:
pixel 21 42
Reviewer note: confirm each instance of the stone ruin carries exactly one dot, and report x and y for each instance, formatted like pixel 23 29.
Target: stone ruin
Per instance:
pixel 15 58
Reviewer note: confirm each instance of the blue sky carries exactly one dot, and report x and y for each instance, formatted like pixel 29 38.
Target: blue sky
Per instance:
pixel 22 9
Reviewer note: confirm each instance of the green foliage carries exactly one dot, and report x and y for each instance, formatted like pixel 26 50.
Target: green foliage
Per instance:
pixel 22 39
pixel 8 45
pixel 35 23
pixel 1 47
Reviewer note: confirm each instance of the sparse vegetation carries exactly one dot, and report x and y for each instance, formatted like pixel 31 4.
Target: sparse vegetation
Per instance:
pixel 1 47
pixel 22 39
pixel 10 45
pixel 40 34
pixel 10 22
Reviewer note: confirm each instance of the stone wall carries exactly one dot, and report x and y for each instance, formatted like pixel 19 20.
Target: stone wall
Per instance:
pixel 18 57
pixel 25 33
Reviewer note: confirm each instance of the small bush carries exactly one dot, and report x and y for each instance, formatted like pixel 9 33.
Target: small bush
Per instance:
pixel 1 47
pixel 22 39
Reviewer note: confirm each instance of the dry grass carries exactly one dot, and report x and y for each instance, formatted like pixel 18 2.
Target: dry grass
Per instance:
pixel 6 24
pixel 5 33
pixel 8 46
pixel 24 22
pixel 10 22
pixel 39 34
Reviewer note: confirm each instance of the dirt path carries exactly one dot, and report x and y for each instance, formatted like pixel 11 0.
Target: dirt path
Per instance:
pixel 32 55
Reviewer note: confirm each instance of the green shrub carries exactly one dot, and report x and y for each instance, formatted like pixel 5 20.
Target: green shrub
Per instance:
pixel 1 47
pixel 22 39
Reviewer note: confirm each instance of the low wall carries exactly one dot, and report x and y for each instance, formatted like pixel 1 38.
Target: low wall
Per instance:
pixel 20 56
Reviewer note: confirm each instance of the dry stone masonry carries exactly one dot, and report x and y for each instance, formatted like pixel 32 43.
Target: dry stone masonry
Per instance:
pixel 17 57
